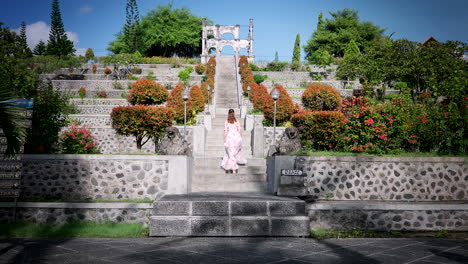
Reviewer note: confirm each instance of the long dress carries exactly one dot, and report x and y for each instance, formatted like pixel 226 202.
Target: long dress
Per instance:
pixel 233 146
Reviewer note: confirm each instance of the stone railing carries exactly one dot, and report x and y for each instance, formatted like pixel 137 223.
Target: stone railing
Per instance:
pixel 371 178
pixel 78 177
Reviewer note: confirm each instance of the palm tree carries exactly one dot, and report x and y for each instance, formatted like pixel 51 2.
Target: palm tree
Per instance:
pixel 12 124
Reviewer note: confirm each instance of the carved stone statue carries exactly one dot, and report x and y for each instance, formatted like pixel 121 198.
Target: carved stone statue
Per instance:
pixel 173 143
pixel 289 142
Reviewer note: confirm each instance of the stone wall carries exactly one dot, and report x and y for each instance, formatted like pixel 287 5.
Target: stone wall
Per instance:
pixel 78 177
pixel 371 178
pixel 387 216
pixel 96 85
pixel 61 213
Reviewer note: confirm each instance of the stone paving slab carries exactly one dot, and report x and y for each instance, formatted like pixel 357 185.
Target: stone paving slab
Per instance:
pixel 231 250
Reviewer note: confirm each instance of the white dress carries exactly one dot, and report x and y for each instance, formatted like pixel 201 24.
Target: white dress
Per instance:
pixel 233 146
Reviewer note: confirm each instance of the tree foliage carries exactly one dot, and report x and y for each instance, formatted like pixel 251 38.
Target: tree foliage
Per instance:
pixel 40 48
pixel 59 44
pixel 131 30
pixel 297 50
pixel 165 32
pixel 23 42
pixel 89 54
pixel 332 35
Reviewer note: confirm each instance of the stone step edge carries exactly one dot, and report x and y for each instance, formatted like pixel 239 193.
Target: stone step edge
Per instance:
pixel 387 205
pixel 236 217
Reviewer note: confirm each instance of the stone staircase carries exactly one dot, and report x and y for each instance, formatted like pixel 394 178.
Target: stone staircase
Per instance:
pixel 233 214
pixel 228 204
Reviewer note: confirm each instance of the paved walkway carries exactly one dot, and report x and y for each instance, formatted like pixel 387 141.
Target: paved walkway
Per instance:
pixel 232 250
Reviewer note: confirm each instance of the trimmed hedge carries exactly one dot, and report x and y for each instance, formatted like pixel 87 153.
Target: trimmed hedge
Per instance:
pixel 320 130
pixel 197 99
pixel 260 97
pixel 176 104
pixel 321 97
pixel 147 92
pixel 284 106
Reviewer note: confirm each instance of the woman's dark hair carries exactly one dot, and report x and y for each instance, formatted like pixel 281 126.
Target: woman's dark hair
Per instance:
pixel 231 117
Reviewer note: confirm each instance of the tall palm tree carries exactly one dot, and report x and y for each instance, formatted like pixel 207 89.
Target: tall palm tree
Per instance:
pixel 12 124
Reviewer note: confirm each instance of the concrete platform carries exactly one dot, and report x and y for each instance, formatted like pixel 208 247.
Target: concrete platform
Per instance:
pixel 229 214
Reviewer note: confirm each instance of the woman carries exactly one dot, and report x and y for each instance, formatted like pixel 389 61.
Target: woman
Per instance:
pixel 232 144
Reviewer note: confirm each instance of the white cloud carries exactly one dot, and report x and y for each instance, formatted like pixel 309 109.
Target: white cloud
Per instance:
pixel 40 31
pixel 80 51
pixel 85 9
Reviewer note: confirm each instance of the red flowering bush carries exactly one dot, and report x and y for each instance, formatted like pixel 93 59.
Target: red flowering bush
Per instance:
pixel 200 68
pixel 243 63
pixel 147 92
pixel 78 140
pixel 321 97
pixel 284 106
pixel 211 67
pixel 142 122
pixel 94 69
pixel 320 130
pixel 176 104
pixel 107 71
pixel 438 128
pixel 101 94
pixel 196 100
pixel 260 97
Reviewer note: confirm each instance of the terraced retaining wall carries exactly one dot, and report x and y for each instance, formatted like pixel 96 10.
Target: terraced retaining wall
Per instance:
pixel 61 213
pixel 371 178
pixel 78 177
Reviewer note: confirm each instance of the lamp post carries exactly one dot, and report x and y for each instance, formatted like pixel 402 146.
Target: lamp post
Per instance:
pixel 275 95
pixel 248 94
pixel 185 96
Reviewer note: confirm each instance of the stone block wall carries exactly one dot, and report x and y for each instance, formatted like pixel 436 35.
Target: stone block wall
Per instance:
pixel 61 213
pixel 389 216
pixel 372 178
pixel 78 177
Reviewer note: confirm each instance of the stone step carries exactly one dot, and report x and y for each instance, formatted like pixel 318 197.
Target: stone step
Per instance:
pixel 96 101
pixel 228 214
pixel 228 187
pixel 215 169
pixel 204 161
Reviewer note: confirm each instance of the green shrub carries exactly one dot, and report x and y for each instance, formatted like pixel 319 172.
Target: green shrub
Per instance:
pixel 254 67
pixel 184 76
pixel 321 97
pixel 142 122
pixel 276 66
pixel 82 93
pixel 320 130
pixel 50 112
pixel 78 140
pixel 200 68
pixel 258 78
pixel 189 69
pixel 147 92
pixel 89 54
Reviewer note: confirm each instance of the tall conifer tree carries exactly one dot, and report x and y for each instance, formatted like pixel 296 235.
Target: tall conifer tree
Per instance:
pixel 59 44
pixel 23 42
pixel 132 27
pixel 297 50
pixel 40 48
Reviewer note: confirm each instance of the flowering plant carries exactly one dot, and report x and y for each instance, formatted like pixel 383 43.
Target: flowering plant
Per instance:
pixel 82 92
pixel 78 140
pixel 147 92
pixel 200 68
pixel 107 71
pixel 101 94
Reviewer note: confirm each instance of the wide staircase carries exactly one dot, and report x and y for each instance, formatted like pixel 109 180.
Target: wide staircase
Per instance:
pixel 224 204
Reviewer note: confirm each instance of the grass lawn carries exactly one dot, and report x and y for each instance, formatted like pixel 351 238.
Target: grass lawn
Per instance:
pixel 73 229
pixel 321 233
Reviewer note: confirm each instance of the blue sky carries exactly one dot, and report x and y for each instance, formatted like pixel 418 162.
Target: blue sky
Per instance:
pixel 93 23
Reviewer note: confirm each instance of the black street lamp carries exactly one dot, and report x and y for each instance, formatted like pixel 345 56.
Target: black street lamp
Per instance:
pixel 275 95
